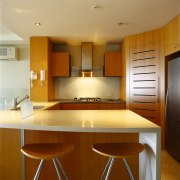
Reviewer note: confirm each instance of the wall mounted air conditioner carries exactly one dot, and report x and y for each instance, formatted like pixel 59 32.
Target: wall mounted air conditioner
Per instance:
pixel 9 53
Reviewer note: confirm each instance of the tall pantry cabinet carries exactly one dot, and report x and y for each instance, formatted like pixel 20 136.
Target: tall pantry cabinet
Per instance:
pixel 145 76
pixel 40 59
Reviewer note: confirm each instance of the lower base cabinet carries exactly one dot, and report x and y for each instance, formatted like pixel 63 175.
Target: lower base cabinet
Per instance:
pixel 92 106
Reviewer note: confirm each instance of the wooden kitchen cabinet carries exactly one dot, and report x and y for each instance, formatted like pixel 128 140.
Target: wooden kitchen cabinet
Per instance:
pixel 40 59
pixel 60 64
pixel 144 81
pixel 172 36
pixel 145 75
pixel 92 106
pixel 112 64
pixel 145 56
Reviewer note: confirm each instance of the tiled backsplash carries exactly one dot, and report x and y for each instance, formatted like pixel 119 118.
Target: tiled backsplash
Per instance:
pixel 68 88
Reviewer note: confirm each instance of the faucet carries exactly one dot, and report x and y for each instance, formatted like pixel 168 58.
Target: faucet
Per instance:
pixel 15 102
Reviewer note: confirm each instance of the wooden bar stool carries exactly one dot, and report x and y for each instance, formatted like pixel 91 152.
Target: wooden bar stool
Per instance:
pixel 117 150
pixel 44 151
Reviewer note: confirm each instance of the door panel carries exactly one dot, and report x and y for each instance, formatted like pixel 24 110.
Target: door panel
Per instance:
pixel 144 81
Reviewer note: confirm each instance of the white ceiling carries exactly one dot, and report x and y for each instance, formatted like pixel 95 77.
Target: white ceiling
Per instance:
pixel 75 21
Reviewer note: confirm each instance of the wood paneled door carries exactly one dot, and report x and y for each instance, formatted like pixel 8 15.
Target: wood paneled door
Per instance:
pixel 144 81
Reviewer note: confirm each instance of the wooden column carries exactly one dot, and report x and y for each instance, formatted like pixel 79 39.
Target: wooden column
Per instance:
pixel 40 59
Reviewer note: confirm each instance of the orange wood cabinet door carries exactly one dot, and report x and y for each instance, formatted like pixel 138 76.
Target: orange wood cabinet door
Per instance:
pixel 92 106
pixel 144 82
pixel 60 64
pixel 172 36
pixel 113 64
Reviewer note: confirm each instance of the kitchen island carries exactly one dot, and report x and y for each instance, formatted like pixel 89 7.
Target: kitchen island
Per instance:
pixel 75 125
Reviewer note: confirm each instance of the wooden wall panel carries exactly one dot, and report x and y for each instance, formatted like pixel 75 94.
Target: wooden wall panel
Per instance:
pixel 10 154
pixel 124 76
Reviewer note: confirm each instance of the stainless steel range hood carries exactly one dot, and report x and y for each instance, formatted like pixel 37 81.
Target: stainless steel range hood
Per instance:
pixel 87 57
pixel 85 67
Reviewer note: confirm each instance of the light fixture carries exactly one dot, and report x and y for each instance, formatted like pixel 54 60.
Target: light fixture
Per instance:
pixel 87 74
pixel 38 24
pixel 120 23
pixel 96 6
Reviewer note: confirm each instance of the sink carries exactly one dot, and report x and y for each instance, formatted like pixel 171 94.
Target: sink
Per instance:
pixel 38 107
pixel 35 107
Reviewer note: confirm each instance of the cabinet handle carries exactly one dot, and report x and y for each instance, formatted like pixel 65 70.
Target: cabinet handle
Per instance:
pixel 166 101
pixel 166 110
pixel 158 89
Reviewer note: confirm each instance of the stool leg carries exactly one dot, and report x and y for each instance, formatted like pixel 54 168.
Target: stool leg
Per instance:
pixel 107 164
pixel 39 169
pixel 128 169
pixel 59 176
pixel 61 168
pixel 109 169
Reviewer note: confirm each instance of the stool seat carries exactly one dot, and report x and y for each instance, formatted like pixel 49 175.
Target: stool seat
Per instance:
pixel 118 150
pixel 46 150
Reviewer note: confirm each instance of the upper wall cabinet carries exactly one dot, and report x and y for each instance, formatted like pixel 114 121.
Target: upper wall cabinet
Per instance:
pixel 172 36
pixel 60 64
pixel 112 64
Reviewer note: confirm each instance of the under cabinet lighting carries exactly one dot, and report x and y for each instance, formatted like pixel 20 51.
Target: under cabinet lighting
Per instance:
pixel 87 74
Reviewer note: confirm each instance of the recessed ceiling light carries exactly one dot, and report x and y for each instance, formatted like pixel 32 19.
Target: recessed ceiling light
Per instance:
pixel 38 24
pixel 96 6
pixel 120 23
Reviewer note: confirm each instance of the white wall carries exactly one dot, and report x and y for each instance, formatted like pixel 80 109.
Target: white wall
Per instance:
pixel 103 87
pixel 14 75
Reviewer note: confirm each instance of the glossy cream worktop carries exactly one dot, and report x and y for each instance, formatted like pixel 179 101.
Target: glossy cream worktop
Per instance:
pixel 79 121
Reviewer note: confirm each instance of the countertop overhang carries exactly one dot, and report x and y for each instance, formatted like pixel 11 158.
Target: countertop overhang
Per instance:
pixel 79 121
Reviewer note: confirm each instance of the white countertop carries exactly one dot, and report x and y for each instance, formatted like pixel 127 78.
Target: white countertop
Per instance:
pixel 79 121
